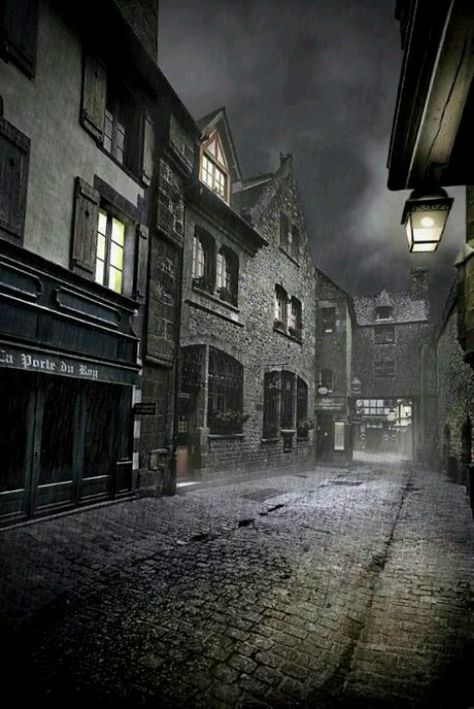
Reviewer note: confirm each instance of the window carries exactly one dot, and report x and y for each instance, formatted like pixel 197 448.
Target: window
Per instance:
pixel 110 251
pixel 225 393
pixel 280 312
pixel 116 118
pixel 214 171
pixel 287 412
pixel 326 379
pixel 18 33
pixel 327 320
pixel 14 154
pixel 204 266
pixel 383 312
pixel 384 368
pixel 384 335
pixel 271 404
pixel 289 236
pixel 295 247
pixel 227 276
pixel 296 318
pixel 302 422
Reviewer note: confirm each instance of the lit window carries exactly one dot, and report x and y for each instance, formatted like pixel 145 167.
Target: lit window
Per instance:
pixel 227 275
pixel 214 171
pixel 110 251
pixel 204 274
pixel 295 318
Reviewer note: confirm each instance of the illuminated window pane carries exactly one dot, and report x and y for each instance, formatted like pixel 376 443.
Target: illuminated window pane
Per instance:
pixel 99 272
pixel 118 231
pixel 102 226
pixel 101 246
pixel 115 279
pixel 116 256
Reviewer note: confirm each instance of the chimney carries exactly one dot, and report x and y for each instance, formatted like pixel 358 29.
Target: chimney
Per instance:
pixel 418 284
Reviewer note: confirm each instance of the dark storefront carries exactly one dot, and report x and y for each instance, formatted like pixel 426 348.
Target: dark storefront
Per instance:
pixel 67 366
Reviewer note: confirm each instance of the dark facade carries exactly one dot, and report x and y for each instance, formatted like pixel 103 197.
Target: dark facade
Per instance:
pixel 76 164
pixel 394 364
pixel 247 356
pixel 333 356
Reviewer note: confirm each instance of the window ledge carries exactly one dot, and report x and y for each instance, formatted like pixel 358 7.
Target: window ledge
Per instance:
pixel 215 298
pixel 299 340
pixel 223 436
pixel 287 430
pixel 270 440
pixel 292 258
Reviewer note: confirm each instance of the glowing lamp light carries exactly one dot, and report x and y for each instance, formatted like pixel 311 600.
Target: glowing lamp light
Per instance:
pixel 424 217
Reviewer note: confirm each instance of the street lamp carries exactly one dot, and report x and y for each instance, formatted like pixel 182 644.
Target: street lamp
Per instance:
pixel 424 217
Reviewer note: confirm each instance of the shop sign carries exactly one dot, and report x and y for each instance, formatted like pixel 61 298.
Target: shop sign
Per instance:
pixel 331 404
pixel 34 361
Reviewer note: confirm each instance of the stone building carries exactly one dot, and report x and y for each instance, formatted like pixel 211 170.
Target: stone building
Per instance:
pixel 455 385
pixel 393 361
pixel 247 356
pixel 335 320
pixel 77 135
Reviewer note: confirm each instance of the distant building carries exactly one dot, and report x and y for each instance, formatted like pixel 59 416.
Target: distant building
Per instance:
pixel 247 356
pixel 391 363
pixel 335 321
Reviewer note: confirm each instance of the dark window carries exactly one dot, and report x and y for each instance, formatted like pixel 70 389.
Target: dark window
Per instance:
pixel 227 275
pixel 204 261
pixel 281 306
pixel 326 379
pixel 327 320
pixel 225 393
pixel 18 33
pixel 192 361
pixel 271 404
pixel 14 154
pixel 116 119
pixel 384 335
pixel 296 318
pixel 287 414
pixel 302 422
pixel 383 312
pixel 384 368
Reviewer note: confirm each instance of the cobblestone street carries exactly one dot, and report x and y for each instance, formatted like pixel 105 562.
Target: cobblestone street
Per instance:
pixel 323 588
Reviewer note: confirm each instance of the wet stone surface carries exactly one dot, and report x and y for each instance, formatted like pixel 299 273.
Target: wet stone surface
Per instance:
pixel 337 589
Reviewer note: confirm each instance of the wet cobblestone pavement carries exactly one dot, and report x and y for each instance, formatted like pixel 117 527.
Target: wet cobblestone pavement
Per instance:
pixel 325 588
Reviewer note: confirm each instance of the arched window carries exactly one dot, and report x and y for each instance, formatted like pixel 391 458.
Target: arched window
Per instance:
pixel 204 269
pixel 225 393
pixel 214 169
pixel 296 318
pixel 227 275
pixel 281 301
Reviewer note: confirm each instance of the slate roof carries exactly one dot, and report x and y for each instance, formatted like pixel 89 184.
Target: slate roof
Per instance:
pixel 405 308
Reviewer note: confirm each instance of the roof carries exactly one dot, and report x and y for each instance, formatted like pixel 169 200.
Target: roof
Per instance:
pixel 405 308
pixel 217 120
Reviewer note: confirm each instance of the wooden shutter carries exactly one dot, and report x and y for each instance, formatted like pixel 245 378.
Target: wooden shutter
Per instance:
pixel 84 240
pixel 142 262
pixel 19 30
pixel 148 149
pixel 14 154
pixel 94 94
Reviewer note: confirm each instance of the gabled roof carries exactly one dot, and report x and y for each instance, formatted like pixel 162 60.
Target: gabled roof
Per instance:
pixel 405 308
pixel 217 121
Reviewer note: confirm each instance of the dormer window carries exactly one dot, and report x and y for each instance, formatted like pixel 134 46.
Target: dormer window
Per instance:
pixel 384 312
pixel 214 170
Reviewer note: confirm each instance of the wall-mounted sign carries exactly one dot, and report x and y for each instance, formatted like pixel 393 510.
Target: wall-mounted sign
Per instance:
pixel 48 363
pixel 145 409
pixel 323 391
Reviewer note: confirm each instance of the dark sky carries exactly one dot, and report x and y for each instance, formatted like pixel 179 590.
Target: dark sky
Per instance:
pixel 316 78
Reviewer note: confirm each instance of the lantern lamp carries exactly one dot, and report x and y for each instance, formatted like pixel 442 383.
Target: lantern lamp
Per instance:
pixel 424 217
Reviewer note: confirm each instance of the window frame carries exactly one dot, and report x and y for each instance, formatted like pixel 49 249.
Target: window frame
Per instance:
pixel 388 309
pixel 109 243
pixel 325 329
pixel 225 393
pixel 217 167
pixel 380 338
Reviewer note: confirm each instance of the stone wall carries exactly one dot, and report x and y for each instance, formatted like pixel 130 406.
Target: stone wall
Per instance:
pixel 455 380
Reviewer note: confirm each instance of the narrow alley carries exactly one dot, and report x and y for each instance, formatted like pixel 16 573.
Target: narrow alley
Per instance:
pixel 329 587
